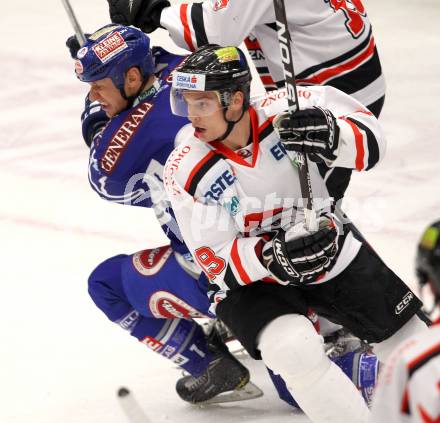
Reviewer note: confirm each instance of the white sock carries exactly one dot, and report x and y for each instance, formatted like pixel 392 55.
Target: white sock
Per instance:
pixel 291 347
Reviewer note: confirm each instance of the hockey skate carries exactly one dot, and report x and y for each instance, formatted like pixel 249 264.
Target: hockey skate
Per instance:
pixel 226 335
pixel 225 379
pixel 342 341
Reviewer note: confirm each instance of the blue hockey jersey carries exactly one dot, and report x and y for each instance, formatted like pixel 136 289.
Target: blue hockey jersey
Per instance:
pixel 127 157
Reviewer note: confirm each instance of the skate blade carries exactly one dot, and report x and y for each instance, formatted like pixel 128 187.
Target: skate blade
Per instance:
pixel 247 392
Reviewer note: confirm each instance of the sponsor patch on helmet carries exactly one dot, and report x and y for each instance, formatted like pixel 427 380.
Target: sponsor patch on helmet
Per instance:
pixel 78 67
pixel 149 262
pixel 429 238
pixel 163 304
pixel 82 52
pixel 227 54
pixel 109 47
pixel 189 81
pixel 102 32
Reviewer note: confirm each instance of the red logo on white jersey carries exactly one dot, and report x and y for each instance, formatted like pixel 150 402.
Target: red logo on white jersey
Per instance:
pixel 172 166
pixel 163 304
pixel 275 95
pixel 109 46
pixel 219 4
pixel 354 12
pixel 149 262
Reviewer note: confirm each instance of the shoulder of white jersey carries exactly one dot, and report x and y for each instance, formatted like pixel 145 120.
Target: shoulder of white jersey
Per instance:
pixel 337 101
pixel 194 167
pixel 185 134
pixel 274 102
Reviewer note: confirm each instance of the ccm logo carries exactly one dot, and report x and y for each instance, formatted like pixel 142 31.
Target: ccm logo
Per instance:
pixel 404 303
pixel 283 260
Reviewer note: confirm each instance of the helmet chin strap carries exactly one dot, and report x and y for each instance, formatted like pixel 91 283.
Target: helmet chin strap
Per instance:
pixel 132 98
pixel 230 123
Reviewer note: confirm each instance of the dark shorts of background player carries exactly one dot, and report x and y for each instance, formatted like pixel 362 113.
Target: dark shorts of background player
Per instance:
pixel 367 298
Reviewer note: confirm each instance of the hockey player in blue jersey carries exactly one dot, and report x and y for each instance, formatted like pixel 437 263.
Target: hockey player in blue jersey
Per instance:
pixel 156 293
pixel 129 127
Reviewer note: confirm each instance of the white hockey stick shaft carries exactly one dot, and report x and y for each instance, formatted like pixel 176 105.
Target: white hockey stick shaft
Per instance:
pixel 75 24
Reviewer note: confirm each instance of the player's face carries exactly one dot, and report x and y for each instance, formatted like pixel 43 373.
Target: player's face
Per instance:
pixel 206 114
pixel 106 93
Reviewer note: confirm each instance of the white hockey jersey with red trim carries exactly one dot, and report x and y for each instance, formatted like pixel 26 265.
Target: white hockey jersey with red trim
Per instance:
pixel 332 40
pixel 226 201
pixel 409 384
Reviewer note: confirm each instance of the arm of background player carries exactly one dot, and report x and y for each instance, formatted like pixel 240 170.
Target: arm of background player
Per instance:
pixel 192 25
pixel 362 142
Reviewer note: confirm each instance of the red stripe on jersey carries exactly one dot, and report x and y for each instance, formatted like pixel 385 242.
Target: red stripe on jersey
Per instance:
pixel 404 406
pixel 325 75
pixel 267 80
pixel 252 44
pixel 359 145
pixel 186 29
pixel 365 111
pixel 435 349
pixel 197 168
pixel 237 263
pixel 426 417
pixel 256 218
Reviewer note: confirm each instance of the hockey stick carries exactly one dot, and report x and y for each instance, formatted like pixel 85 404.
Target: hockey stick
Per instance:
pixel 78 31
pixel 292 100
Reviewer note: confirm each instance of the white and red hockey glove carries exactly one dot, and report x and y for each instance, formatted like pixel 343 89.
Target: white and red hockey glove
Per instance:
pixel 298 256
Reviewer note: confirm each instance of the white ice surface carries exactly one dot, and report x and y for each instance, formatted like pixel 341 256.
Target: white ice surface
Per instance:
pixel 60 359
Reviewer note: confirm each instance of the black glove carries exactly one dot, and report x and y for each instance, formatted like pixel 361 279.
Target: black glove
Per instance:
pixel 298 257
pixel 310 131
pixel 73 45
pixel 144 14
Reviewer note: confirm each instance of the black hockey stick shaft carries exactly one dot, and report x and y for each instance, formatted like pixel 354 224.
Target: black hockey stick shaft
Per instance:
pixel 292 101
pixel 75 24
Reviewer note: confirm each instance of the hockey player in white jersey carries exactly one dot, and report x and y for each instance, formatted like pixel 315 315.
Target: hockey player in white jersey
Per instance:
pixel 332 44
pixel 237 200
pixel 332 40
pixel 409 384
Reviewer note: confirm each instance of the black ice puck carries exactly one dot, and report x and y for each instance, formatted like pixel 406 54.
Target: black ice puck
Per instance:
pixel 123 392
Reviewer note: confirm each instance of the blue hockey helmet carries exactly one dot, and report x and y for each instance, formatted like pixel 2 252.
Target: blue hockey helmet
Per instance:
pixel 111 51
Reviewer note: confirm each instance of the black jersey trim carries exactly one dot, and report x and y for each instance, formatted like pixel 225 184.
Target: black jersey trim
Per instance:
pixel 333 62
pixel 191 185
pixel 198 24
pixel 360 77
